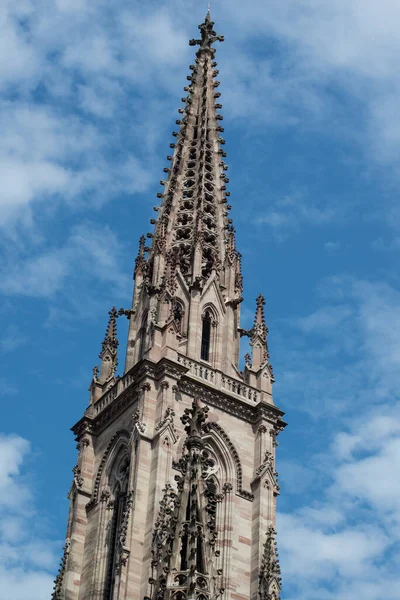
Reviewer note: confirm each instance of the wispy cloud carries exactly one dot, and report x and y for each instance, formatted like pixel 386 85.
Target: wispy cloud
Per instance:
pixel 344 543
pixel 95 249
pixel 26 558
pixel 357 325
pixel 291 213
pixel 11 339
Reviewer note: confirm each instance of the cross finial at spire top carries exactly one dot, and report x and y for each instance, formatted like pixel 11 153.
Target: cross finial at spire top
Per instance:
pixel 208 35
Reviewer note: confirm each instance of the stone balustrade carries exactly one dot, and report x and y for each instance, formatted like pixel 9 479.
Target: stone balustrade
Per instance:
pixel 198 370
pixel 218 379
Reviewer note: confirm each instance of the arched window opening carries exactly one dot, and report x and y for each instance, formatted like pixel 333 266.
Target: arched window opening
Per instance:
pixel 119 479
pixel 206 336
pixel 142 335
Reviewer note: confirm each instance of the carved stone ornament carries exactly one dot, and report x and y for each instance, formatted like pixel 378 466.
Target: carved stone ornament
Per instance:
pixel 168 418
pixel 268 462
pixel 137 422
pixel 185 532
pixel 269 580
pixel 58 582
pixel 122 551
pixel 78 476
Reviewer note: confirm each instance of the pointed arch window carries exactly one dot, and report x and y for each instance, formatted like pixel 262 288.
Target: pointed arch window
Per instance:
pixel 119 482
pixel 206 336
pixel 142 335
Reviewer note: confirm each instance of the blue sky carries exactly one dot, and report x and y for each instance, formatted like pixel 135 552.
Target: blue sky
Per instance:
pixel 310 92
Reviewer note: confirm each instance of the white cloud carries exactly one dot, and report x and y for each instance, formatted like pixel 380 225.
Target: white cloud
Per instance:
pixel 346 539
pixel 287 215
pixel 325 319
pixel 341 541
pixel 359 324
pixel 26 559
pixel 90 252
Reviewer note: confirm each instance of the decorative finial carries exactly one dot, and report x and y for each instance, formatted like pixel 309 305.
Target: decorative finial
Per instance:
pixel 109 346
pixel 208 35
pixel 194 419
pixel 269 578
pixel 110 338
pixel 258 336
pixel 140 261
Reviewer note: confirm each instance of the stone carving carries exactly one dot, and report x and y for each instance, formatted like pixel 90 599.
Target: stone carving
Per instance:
pixel 268 462
pixel 136 421
pixel 168 418
pixel 269 585
pixel 232 405
pixel 123 531
pixel 185 532
pixel 58 582
pixel 108 354
pixel 78 476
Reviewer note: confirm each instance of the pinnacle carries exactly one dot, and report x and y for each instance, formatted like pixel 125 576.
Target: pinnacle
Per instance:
pixel 259 335
pixel 193 224
pixel 109 346
pixel 110 339
pixel 194 419
pixel 260 318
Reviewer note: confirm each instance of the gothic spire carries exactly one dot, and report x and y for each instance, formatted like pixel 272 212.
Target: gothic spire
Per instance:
pixel 192 228
pixel 185 532
pixel 259 335
pixel 109 346
pixel 140 261
pixel 269 586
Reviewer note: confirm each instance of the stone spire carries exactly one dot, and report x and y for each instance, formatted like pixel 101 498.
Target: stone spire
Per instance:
pixel 140 261
pixel 258 338
pixel 191 263
pixel 184 537
pixel 269 575
pixel 191 231
pixel 109 346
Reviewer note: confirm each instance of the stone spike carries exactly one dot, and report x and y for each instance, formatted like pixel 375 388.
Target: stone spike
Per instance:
pixel 231 245
pixel 260 317
pixel 110 338
pixel 269 575
pixel 195 189
pixel 259 335
pixel 184 515
pixel 140 261
pixel 109 347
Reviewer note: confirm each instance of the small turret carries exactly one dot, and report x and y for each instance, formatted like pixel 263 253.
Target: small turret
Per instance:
pixel 140 261
pixel 258 339
pixel 104 377
pixel 109 347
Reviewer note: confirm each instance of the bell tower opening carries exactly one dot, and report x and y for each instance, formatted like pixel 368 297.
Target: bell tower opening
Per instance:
pixel 206 336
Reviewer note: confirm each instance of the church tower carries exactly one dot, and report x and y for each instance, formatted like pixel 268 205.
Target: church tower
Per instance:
pixel 174 491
